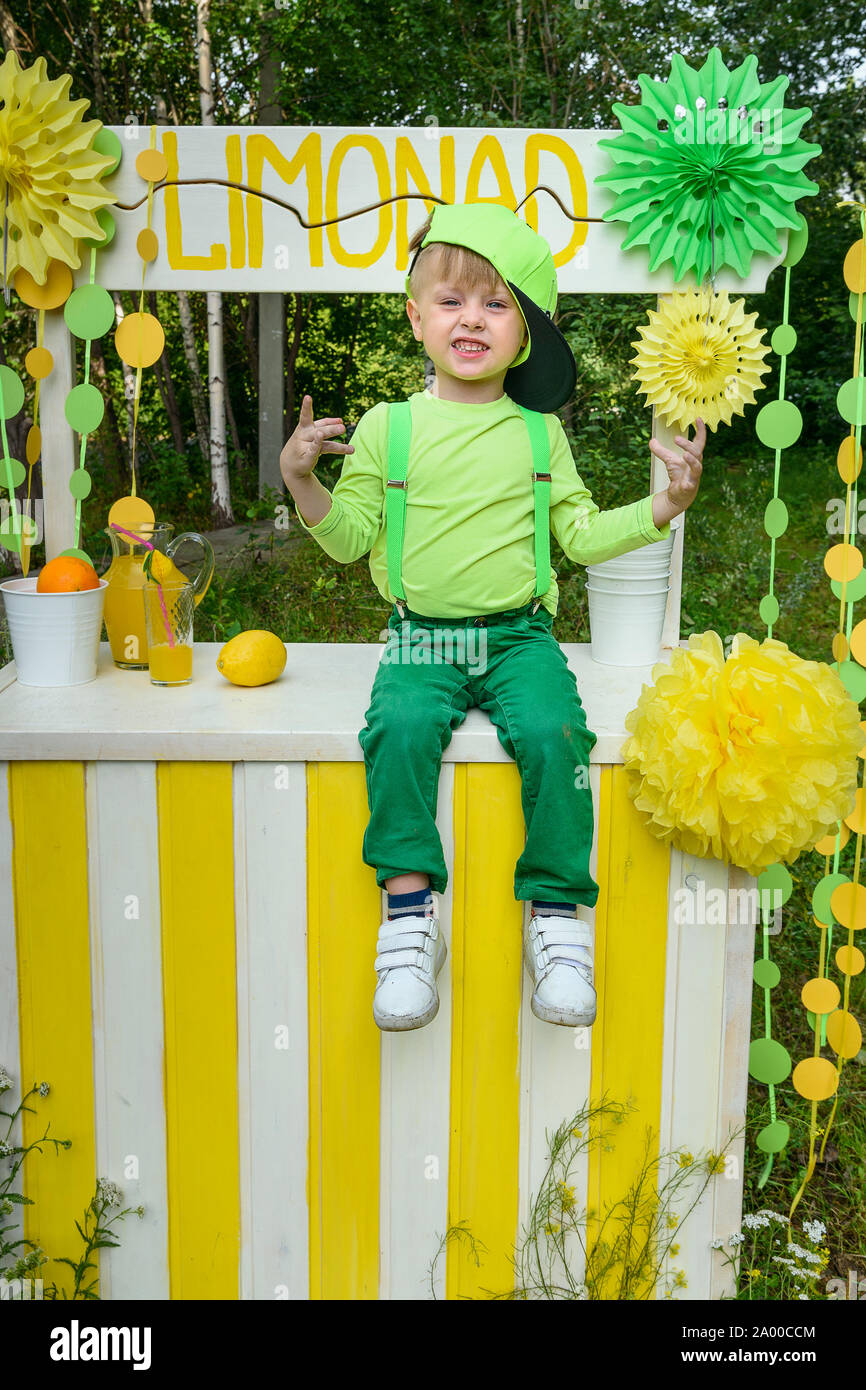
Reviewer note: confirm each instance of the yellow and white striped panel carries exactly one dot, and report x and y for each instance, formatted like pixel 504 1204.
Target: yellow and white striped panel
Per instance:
pixel 195 947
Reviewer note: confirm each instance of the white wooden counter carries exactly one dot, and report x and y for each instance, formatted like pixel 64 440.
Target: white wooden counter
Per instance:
pixel 187 943
pixel 313 713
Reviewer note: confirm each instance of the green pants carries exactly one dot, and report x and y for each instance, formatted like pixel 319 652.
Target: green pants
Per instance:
pixel 430 674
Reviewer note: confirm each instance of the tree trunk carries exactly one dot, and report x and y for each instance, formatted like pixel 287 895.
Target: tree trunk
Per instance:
pixel 298 318
pixel 233 429
pixel 128 380
pixel 221 505
pixel 166 387
pixel 109 434
pixel 196 389
pixel 8 31
pixel 248 308
pixel 348 356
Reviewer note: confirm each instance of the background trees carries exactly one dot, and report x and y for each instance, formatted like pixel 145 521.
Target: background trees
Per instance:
pixel 545 63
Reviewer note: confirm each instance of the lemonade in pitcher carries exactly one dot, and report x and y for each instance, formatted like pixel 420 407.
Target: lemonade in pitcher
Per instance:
pixel 124 612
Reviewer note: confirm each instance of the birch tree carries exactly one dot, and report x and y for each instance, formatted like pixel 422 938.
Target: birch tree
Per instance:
pixel 221 505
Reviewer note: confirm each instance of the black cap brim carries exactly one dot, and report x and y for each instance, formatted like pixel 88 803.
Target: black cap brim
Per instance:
pixel 546 380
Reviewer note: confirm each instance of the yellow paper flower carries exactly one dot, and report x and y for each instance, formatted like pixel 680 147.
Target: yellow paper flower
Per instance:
pixel 50 176
pixel 748 760
pixel 700 355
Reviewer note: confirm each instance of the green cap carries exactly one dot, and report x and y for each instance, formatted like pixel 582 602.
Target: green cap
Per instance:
pixel 544 376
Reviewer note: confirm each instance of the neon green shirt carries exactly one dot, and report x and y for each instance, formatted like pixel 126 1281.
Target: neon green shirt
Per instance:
pixel 469 540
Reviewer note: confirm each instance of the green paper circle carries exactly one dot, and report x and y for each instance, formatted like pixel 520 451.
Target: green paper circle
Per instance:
pixel 851 400
pixel 822 1029
pixel 853 677
pixel 89 311
pixel 11 532
pixel 84 408
pixel 766 974
pixel 852 306
pixel 106 222
pixel 13 392
pixel 776 517
pixel 773 1138
pixel 768 608
pixel 784 339
pixel 769 1061
pixel 775 885
pixel 822 894
pixel 106 142
pixel 19 473
pixel 854 589
pixel 779 424
pixel 798 240
pixel 78 554
pixel 80 483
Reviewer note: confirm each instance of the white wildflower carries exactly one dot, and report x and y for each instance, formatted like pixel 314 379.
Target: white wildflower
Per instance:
pixel 808 1255
pixel 814 1230
pixel 5 1079
pixel 5 1149
pixel 44 1088
pixel 753 1223
pixel 109 1192
pixel 736 1239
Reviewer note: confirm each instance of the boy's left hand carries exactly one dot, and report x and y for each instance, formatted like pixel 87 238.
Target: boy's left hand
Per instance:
pixel 684 472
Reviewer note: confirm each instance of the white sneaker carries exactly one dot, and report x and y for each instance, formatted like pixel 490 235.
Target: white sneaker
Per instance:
pixel 558 955
pixel 411 952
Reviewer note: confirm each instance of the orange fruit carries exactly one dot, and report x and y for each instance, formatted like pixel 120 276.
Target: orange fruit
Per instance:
pixel 66 574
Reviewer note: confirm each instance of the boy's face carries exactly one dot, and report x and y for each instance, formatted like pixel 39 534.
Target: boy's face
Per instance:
pixel 472 336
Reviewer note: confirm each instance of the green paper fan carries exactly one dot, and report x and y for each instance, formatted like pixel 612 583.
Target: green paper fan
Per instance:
pixel 708 167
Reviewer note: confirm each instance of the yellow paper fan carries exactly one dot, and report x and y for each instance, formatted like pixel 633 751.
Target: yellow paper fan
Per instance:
pixel 700 355
pixel 50 175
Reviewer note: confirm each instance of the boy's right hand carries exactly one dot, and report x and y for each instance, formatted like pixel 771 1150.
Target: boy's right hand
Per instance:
pixel 310 439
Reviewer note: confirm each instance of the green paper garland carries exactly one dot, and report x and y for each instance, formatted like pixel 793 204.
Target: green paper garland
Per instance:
pixel 89 313
pixel 778 425
pixel 708 167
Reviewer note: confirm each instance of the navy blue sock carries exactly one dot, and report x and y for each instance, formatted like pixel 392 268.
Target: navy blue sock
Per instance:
pixel 541 909
pixel 408 904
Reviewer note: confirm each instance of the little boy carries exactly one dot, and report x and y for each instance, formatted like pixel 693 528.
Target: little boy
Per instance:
pixel 454 494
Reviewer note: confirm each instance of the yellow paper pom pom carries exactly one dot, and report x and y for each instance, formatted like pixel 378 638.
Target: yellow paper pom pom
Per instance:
pixel 748 760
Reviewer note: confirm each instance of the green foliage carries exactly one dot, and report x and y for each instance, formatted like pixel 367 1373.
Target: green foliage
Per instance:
pixel 623 1254
pixel 96 1234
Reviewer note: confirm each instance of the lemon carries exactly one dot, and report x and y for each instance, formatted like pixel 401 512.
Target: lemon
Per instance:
pixel 165 571
pixel 252 658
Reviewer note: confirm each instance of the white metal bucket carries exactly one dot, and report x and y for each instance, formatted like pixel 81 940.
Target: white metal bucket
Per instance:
pixel 55 637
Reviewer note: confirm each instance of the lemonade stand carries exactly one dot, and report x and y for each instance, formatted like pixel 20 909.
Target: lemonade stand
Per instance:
pixel 186 924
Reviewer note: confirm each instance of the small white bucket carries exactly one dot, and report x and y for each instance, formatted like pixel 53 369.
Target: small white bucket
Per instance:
pixel 55 637
pixel 627 601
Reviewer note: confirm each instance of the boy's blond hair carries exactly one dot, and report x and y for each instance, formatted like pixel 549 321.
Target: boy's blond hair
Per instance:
pixel 455 263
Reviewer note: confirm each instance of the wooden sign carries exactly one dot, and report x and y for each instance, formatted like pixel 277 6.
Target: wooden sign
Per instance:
pixel 213 237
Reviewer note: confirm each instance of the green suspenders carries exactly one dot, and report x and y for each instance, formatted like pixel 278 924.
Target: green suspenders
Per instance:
pixel 399 432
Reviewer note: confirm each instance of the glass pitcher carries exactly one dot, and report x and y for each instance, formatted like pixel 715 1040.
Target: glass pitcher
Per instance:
pixel 124 598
